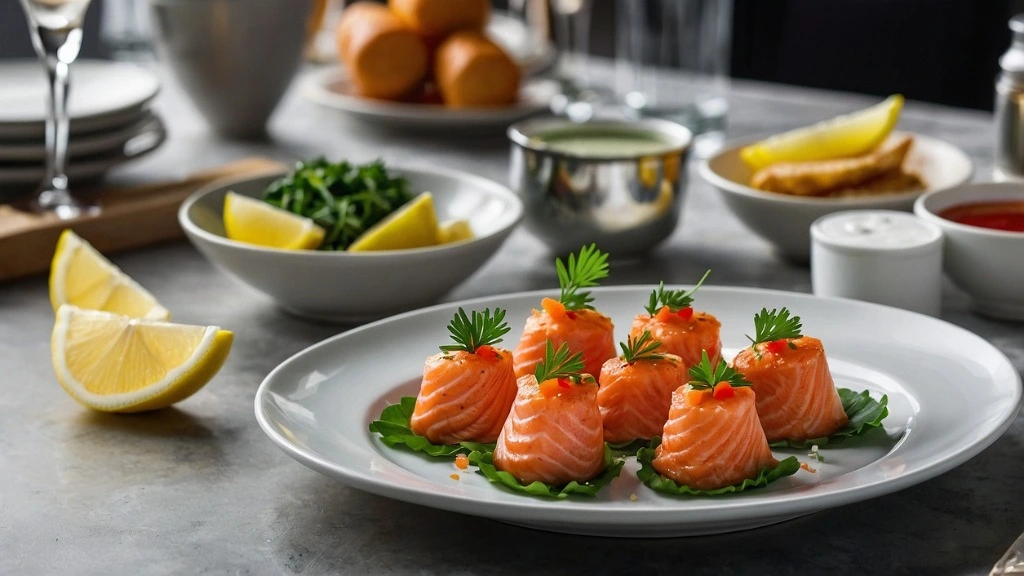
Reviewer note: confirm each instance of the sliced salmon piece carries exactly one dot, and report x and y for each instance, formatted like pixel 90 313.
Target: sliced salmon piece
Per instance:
pixel 553 438
pixel 712 443
pixel 586 331
pixel 684 337
pixel 796 397
pixel 635 398
pixel 464 397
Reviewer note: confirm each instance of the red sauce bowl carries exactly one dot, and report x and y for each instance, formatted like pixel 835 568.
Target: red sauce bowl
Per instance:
pixel 983 250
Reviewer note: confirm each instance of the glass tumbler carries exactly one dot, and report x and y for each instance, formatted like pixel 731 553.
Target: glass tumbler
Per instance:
pixel 672 61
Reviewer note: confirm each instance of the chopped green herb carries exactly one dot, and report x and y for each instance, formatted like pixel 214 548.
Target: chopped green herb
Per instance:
pixel 581 272
pixel 676 300
pixel 480 329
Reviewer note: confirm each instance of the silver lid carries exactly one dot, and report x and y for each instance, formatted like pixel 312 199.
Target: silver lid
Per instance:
pixel 1012 61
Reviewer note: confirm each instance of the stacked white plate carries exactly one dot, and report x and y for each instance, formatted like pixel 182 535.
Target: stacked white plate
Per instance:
pixel 111 120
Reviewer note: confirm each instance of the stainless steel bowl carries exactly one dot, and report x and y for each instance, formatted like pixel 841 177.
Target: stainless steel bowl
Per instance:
pixel 626 203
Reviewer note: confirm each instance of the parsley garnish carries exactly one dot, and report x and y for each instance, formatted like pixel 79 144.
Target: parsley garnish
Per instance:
pixel 676 300
pixel 582 272
pixel 559 364
pixel 642 348
pixel 481 329
pixel 774 325
pixel 704 376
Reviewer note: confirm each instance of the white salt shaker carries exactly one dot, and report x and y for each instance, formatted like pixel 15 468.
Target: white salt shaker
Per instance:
pixel 882 256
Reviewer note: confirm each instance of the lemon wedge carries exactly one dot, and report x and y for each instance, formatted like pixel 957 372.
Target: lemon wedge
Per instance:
pixel 81 276
pixel 256 222
pixel 455 231
pixel 848 135
pixel 114 363
pixel 414 225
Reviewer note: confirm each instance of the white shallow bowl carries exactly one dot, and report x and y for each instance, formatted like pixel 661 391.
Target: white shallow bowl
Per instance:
pixel 784 220
pixel 350 287
pixel 950 393
pixel 987 264
pixel 331 88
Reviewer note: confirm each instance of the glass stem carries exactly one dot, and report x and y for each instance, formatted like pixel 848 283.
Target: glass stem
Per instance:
pixel 57 130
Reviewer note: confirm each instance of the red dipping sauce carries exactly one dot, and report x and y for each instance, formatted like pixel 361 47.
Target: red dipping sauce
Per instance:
pixel 1006 215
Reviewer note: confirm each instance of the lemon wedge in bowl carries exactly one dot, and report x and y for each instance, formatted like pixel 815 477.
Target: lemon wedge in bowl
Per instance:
pixel 256 222
pixel 455 231
pixel 843 136
pixel 114 363
pixel 81 276
pixel 414 225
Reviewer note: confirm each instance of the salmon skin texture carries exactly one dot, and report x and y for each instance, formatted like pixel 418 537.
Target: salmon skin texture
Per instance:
pixel 586 331
pixel 684 338
pixel 796 397
pixel 552 438
pixel 464 397
pixel 713 444
pixel 635 398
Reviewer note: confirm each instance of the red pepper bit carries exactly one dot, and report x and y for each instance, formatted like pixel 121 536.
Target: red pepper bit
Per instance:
pixel 777 346
pixel 564 383
pixel 487 352
pixel 723 390
pixel 685 313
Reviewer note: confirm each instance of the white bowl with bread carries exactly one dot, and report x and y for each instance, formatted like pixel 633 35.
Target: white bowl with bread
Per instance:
pixel 425 64
pixel 869 166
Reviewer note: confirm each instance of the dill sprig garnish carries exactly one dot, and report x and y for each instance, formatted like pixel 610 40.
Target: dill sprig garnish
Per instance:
pixel 581 272
pixel 480 329
pixel 704 376
pixel 676 300
pixel 774 325
pixel 641 348
pixel 559 364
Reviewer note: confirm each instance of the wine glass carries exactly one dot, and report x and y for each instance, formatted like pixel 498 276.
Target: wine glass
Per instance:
pixel 56 30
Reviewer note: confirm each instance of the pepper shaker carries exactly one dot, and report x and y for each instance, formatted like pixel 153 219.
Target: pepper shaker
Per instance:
pixel 1009 108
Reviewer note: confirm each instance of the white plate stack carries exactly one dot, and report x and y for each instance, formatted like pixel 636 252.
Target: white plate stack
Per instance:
pixel 111 121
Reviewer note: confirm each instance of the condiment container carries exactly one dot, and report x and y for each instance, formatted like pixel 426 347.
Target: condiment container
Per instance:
pixel 881 256
pixel 1009 107
pixel 617 183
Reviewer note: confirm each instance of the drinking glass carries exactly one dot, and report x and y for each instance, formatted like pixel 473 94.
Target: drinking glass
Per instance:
pixel 125 30
pixel 672 61
pixel 56 30
pixel 578 96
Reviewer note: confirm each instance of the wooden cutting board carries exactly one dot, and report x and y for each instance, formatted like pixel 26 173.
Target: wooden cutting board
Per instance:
pixel 129 218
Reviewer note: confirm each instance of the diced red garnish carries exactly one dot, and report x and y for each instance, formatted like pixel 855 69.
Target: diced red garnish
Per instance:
pixel 564 383
pixel 723 390
pixel 462 461
pixel 571 315
pixel 685 313
pixel 487 352
pixel 664 315
pixel 695 397
pixel 777 346
pixel 554 308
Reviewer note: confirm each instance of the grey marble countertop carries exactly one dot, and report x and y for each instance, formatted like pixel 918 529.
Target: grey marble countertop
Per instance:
pixel 199 489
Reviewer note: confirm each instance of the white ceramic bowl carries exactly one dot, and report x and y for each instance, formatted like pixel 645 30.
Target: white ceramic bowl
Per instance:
pixel 987 264
pixel 785 221
pixel 351 287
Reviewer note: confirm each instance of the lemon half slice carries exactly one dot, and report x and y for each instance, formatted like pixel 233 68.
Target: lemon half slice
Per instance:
pixel 256 222
pixel 413 225
pixel 114 363
pixel 81 276
pixel 848 135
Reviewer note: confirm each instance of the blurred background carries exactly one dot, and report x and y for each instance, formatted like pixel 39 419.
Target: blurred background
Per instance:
pixel 942 51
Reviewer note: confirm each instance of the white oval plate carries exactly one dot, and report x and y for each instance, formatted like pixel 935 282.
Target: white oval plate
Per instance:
pixel 951 394
pixel 110 141
pixel 92 105
pixel 330 88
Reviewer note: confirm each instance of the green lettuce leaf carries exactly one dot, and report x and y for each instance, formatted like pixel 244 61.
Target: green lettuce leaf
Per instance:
pixel 649 476
pixel 484 461
pixel 394 431
pixel 863 411
pixel 628 448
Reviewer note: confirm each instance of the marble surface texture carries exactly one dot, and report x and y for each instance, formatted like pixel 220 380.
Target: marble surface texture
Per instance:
pixel 199 489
